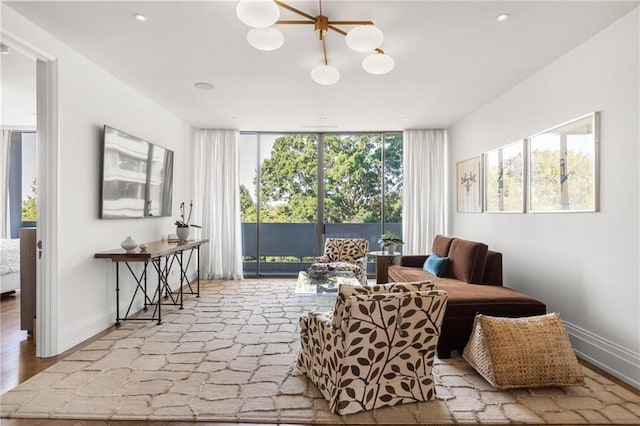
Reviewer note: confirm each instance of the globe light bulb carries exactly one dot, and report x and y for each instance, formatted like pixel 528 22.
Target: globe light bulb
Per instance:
pixel 364 38
pixel 266 39
pixel 258 13
pixel 325 74
pixel 378 63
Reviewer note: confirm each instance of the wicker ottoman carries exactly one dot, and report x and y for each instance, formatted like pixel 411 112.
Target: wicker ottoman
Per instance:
pixel 523 352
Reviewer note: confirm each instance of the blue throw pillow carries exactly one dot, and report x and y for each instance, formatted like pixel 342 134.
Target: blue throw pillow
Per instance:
pixel 436 265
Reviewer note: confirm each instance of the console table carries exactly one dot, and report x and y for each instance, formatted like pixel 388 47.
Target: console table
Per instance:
pixel 162 255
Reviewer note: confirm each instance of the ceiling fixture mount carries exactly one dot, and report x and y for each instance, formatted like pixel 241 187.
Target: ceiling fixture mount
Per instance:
pixel 261 15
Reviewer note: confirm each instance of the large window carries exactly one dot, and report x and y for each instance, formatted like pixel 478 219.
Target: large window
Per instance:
pixel 298 188
pixel 22 181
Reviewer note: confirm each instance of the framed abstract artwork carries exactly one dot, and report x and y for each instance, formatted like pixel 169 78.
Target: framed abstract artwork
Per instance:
pixel 469 185
pixel 504 176
pixel 564 167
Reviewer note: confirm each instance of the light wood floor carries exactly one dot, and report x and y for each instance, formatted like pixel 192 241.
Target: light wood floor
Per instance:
pixel 19 363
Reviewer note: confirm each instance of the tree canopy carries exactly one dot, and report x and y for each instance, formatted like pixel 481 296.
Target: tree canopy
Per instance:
pixel 352 180
pixel 29 207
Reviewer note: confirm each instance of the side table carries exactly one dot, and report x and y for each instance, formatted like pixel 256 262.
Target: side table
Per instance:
pixel 383 260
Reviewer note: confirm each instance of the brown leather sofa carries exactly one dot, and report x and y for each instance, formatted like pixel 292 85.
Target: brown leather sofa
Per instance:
pixel 474 284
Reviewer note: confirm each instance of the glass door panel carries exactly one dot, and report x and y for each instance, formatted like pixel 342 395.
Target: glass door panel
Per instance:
pixel 352 186
pixel 393 179
pixel 288 202
pixel 248 173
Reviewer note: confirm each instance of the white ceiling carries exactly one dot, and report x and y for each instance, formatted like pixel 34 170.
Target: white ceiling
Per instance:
pixel 451 58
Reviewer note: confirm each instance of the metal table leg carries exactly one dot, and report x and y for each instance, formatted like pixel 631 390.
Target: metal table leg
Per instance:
pixel 117 295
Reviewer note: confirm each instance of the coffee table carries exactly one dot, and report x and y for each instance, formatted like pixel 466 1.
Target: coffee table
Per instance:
pixel 325 285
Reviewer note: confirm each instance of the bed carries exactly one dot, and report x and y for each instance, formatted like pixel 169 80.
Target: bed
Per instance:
pixel 9 265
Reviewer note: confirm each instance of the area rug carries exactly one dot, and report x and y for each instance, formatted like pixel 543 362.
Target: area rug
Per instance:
pixel 229 356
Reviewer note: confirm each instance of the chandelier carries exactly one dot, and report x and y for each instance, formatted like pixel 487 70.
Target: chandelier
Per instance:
pixel 262 15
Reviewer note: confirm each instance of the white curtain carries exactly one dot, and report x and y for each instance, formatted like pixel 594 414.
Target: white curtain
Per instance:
pixel 424 204
pixel 4 183
pixel 217 203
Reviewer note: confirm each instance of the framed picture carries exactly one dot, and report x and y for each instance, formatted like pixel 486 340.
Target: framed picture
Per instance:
pixel 469 185
pixel 504 175
pixel 564 167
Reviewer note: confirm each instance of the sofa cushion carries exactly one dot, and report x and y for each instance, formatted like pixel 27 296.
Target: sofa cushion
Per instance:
pixel 467 260
pixel 345 291
pixel 523 352
pixel 397 273
pixel 441 245
pixel 466 300
pixel 436 265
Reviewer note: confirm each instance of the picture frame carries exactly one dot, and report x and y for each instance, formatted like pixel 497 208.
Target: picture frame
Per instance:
pixel 564 167
pixel 504 177
pixel 469 185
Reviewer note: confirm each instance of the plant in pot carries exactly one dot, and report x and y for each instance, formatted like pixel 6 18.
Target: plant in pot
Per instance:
pixel 389 241
pixel 182 225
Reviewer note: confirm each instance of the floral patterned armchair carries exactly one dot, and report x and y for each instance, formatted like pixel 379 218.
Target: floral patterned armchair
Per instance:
pixel 378 347
pixel 344 254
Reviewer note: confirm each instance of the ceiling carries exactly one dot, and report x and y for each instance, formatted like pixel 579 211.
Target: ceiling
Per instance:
pixel 451 58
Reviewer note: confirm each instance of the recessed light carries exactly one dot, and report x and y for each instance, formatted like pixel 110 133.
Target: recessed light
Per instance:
pixel 203 85
pixel 4 49
pixel 502 17
pixel 323 118
pixel 235 117
pixel 407 118
pixel 139 17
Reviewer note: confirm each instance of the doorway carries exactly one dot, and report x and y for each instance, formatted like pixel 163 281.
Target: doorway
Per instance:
pixel 47 193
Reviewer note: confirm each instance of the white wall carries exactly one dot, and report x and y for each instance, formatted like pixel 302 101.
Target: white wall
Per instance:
pixel 88 98
pixel 583 265
pixel 18 89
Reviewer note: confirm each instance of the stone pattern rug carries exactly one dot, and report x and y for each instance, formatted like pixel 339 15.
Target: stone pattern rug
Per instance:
pixel 229 356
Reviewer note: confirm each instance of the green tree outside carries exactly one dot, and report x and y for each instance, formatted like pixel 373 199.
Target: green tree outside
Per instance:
pixel 248 209
pixel 289 187
pixel 393 178
pixel 29 206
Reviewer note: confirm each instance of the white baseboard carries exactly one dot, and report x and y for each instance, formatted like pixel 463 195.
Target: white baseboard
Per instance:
pixel 80 331
pixel 77 332
pixel 606 355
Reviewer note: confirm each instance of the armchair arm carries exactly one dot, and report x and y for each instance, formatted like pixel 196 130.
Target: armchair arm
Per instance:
pixel 321 345
pixel 414 260
pixel 323 259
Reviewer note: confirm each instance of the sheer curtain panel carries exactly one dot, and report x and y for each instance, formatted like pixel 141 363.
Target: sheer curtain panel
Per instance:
pixel 424 211
pixel 217 203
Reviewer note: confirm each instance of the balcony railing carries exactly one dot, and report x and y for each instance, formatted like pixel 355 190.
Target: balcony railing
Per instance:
pixel 287 248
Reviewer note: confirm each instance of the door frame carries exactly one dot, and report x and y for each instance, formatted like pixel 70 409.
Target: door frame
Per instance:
pixel 46 327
